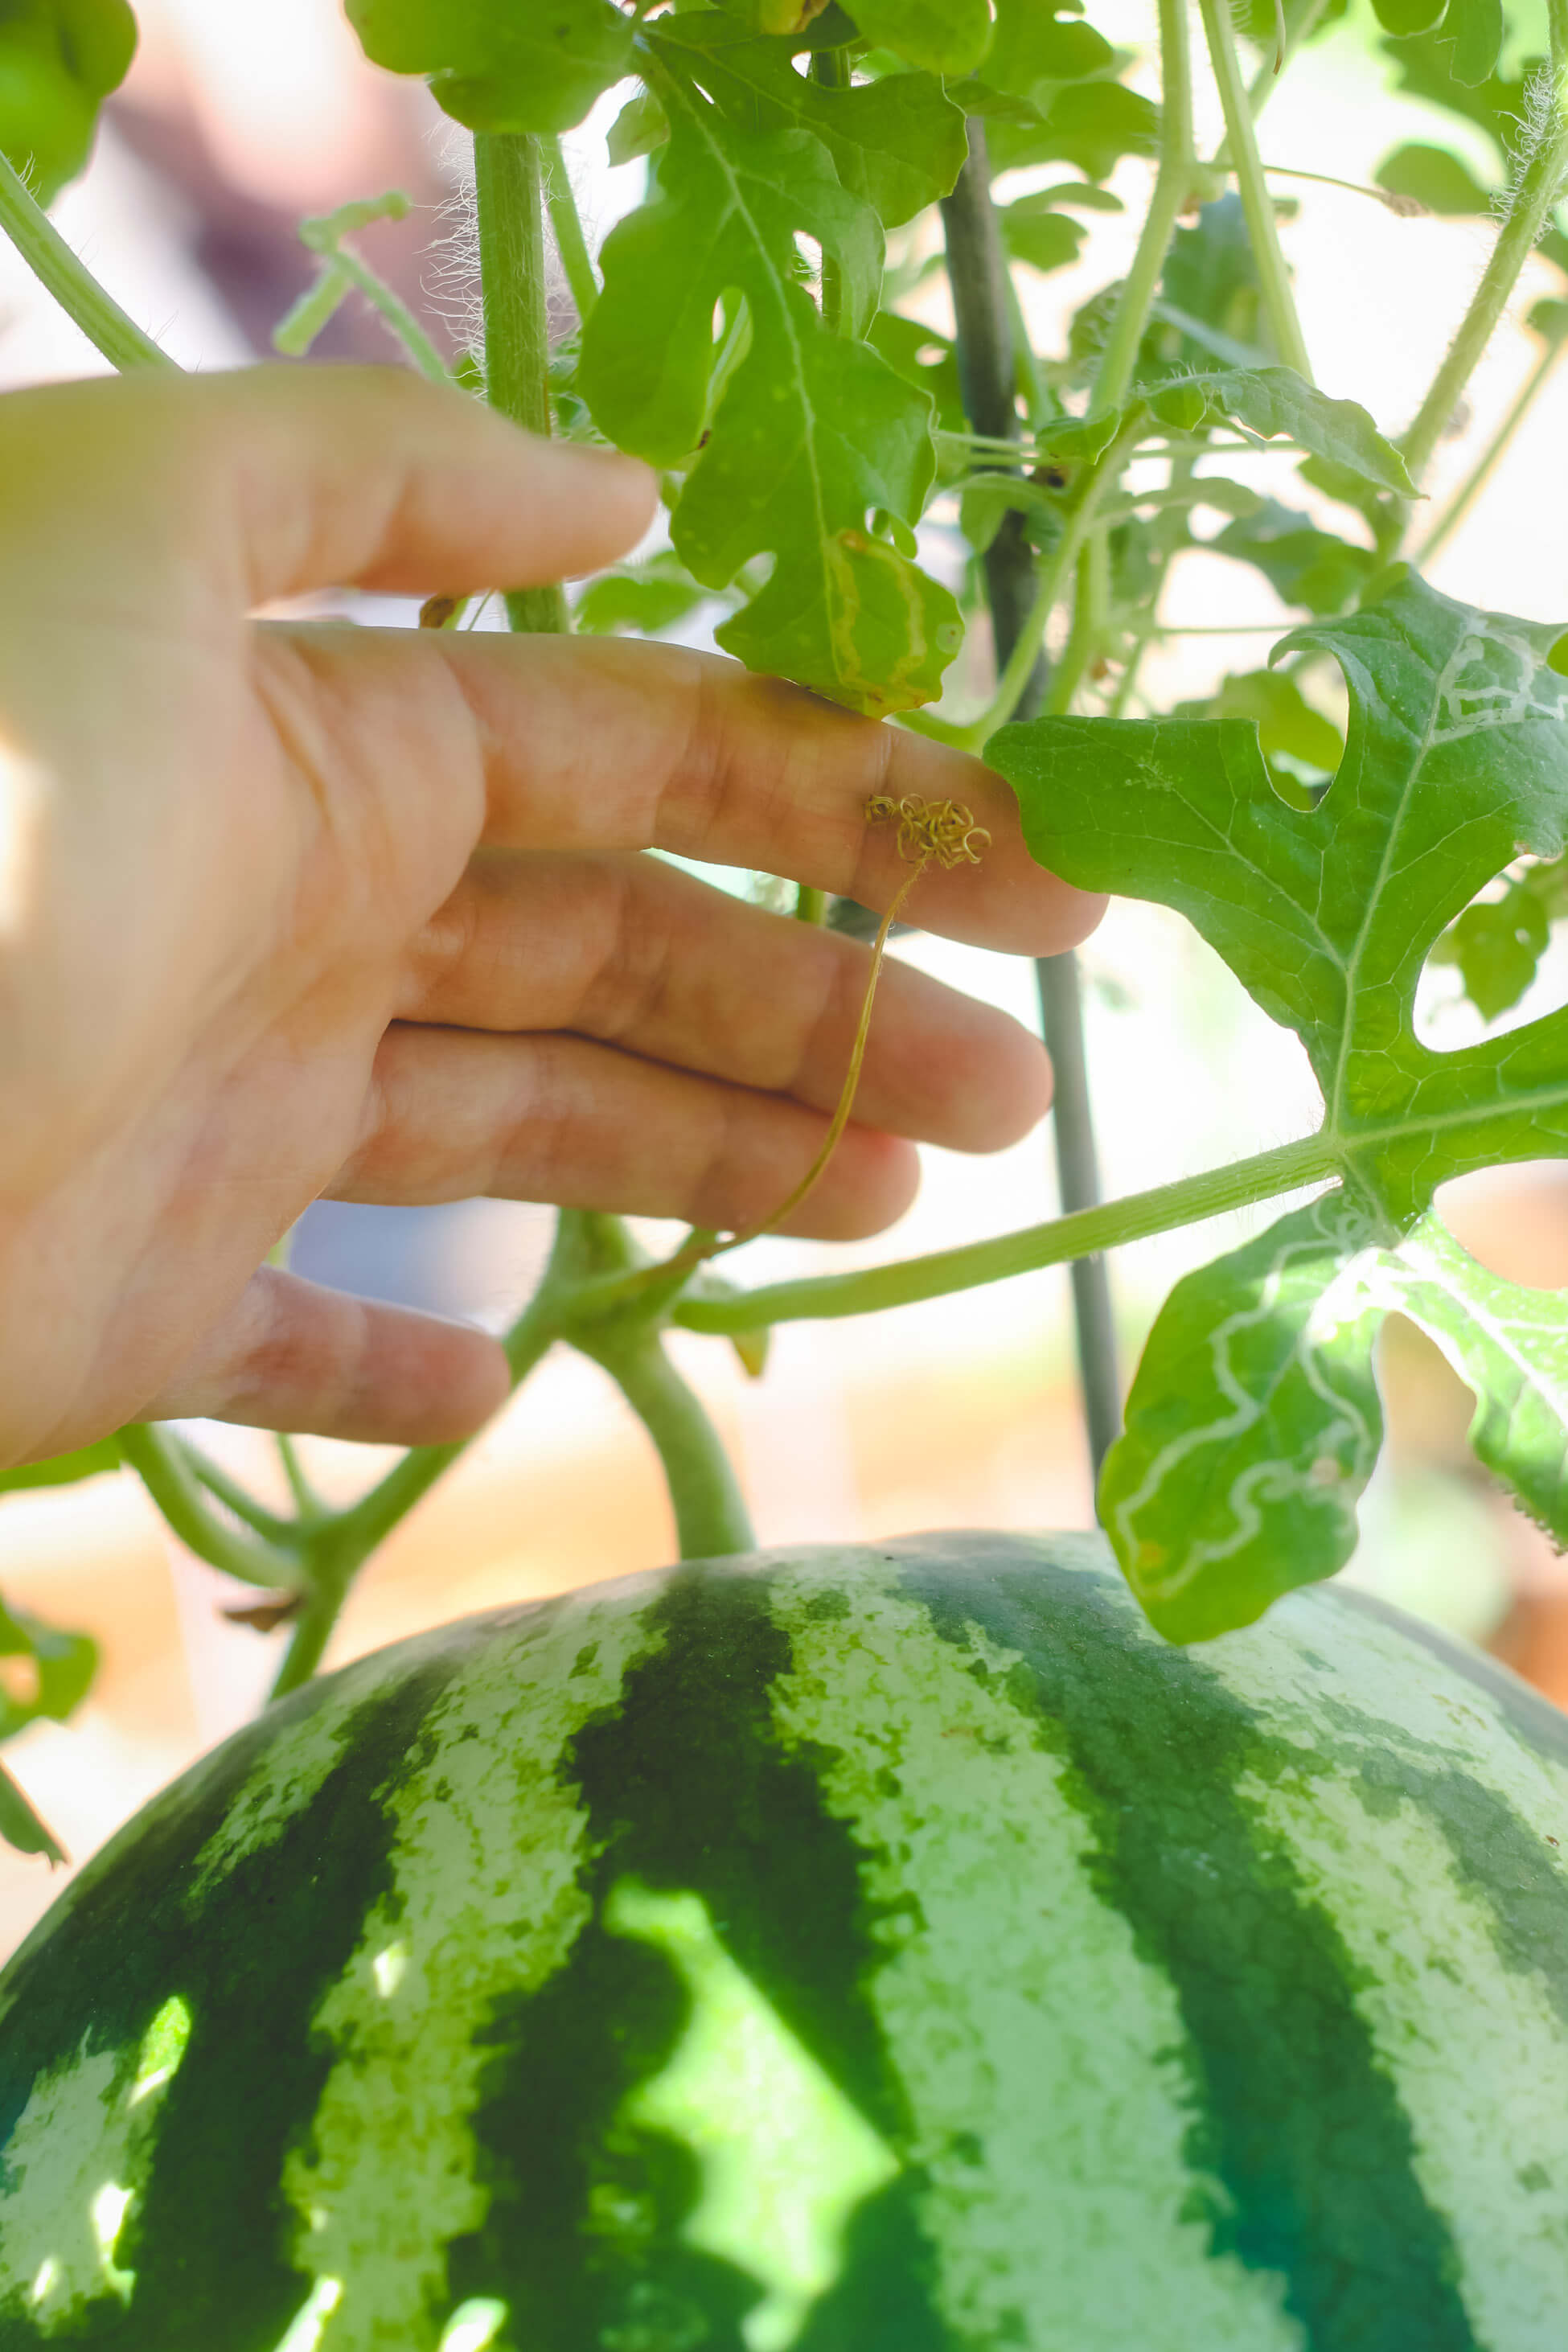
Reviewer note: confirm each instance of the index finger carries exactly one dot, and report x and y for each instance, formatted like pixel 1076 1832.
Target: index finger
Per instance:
pixel 606 743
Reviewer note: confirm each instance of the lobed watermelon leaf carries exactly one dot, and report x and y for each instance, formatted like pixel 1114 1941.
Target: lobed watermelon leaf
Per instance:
pixel 811 432
pixel 1255 1394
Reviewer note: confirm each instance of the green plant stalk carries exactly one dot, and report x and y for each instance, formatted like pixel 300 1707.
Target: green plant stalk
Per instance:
pixel 1299 23
pixel 405 327
pixel 1172 187
pixel 306 1502
pixel 338 1549
pixel 1470 490
pixel 227 1490
pixel 1091 619
pixel 810 906
pixel 1539 187
pixel 159 1460
pixel 830 68
pixel 107 326
pixel 567 225
pixel 1084 1234
pixel 710 1515
pixel 1274 280
pixel 507 182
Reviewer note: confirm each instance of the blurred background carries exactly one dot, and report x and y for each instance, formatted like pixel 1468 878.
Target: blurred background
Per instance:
pixel 239 117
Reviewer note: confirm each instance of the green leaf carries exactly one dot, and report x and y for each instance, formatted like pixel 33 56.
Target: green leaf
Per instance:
pixel 1402 18
pixel 899 142
pixel 1210 279
pixel 639 127
pixel 63 1469
pixel 58 1669
pixel 1498 943
pixel 537 68
pixel 1434 178
pixel 1253 1425
pixel 20 1825
pixel 1091 125
pixel 60 59
pixel 813 432
pixel 1303 564
pixel 1472 33
pixel 1034 232
pixel 924 358
pixel 1270 401
pixel 1032 46
pixel 945 36
pixel 1286 723
pixel 1456 765
pixel 646 598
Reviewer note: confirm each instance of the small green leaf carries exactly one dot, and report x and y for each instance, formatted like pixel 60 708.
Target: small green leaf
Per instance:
pixel 639 127
pixel 1034 233
pixel 1032 46
pixel 945 36
pixel 1270 401
pixel 1472 32
pixel 1404 17
pixel 60 59
pixel 899 141
pixel 21 1827
pixel 812 431
pixel 63 1469
pixel 646 597
pixel 498 68
pixel 1252 1427
pixel 58 1667
pixel 1303 564
pixel 1498 945
pixel 1434 178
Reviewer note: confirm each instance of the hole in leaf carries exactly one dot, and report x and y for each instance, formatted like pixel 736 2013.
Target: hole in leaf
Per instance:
pixel 19 1680
pixel 1513 1220
pixel 1501 964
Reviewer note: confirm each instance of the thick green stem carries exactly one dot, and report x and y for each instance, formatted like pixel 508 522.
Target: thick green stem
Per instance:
pixel 710 1515
pixel 507 178
pixel 567 225
pixel 106 326
pixel 1274 279
pixel 1465 498
pixel 1539 186
pixel 159 1460
pixel 1084 1234
pixel 1172 187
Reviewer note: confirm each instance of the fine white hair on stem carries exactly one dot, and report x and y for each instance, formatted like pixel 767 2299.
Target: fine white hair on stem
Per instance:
pixel 451 286
pixel 1536 122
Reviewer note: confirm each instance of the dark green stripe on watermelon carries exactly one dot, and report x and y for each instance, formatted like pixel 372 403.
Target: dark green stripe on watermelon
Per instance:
pixel 210 2240
pixel 688 1790
pixel 1292 2111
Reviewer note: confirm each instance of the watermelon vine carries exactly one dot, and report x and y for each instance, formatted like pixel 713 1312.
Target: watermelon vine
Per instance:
pixel 745 330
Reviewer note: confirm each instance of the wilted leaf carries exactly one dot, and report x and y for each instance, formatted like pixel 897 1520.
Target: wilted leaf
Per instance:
pixel 813 431
pixel 1456 763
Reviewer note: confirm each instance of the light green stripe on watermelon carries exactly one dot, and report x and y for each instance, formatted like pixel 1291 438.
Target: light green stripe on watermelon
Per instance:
pixel 484 1905
pixel 76 2161
pixel 975 1843
pixel 1403 1776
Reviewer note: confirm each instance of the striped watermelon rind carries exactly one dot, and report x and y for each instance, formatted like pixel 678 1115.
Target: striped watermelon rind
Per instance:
pixel 891 1950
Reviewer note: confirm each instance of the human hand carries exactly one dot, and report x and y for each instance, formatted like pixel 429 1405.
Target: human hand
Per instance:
pixel 290 909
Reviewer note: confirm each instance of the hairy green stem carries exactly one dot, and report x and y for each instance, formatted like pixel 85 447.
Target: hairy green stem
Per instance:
pixel 107 326
pixel 1536 193
pixel 1470 488
pixel 566 224
pixel 1274 279
pixel 710 1515
pixel 159 1459
pixel 1083 1234
pixel 1172 187
pixel 507 180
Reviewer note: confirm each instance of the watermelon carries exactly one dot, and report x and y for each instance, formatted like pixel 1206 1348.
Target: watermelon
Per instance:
pixel 843 1950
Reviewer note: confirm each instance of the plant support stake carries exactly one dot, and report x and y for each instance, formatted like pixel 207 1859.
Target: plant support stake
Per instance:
pixel 977 272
